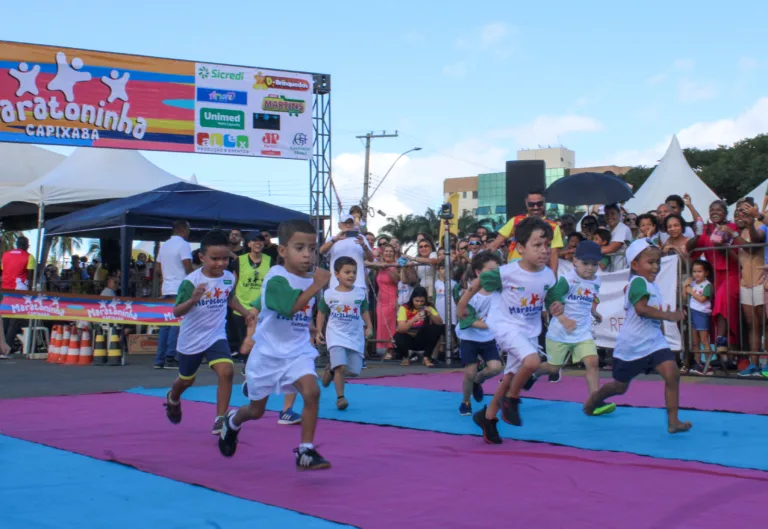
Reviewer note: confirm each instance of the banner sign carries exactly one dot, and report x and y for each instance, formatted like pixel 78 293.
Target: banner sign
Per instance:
pixel 611 306
pixel 72 307
pixel 64 96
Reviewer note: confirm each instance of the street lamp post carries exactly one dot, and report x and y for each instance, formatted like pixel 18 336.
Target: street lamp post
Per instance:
pixel 367 200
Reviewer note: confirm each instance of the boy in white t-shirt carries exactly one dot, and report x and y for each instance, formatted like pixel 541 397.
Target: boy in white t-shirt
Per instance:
pixel 640 345
pixel 571 333
pixel 349 322
pixel 516 319
pixel 349 242
pixel 477 339
pixel 202 302
pixel 283 358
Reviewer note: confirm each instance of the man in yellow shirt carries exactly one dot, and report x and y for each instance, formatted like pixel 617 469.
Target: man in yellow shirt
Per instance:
pixel 536 205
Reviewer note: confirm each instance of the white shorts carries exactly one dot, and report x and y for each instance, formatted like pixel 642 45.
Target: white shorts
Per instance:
pixel 341 356
pixel 753 297
pixel 518 347
pixel 269 375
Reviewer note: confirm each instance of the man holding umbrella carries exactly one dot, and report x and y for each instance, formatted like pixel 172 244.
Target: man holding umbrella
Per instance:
pixel 536 205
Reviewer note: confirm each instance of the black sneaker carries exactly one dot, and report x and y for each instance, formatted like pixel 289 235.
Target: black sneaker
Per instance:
pixel 171 363
pixel 556 377
pixel 218 425
pixel 530 382
pixel 490 432
pixel 159 366
pixel 477 392
pixel 172 411
pixel 310 459
pixel 228 437
pixel 510 412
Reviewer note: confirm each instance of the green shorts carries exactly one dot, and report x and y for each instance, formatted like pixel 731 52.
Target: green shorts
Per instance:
pixel 557 352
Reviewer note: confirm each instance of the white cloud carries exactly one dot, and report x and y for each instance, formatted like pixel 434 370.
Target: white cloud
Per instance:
pixel 684 64
pixel 690 91
pixel 494 38
pixel 547 129
pixel 657 79
pixel 747 63
pixel 456 69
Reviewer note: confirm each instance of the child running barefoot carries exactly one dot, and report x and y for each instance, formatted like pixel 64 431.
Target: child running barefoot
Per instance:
pixel 571 333
pixel 640 345
pixel 283 359
pixel 287 416
pixel 516 319
pixel 476 338
pixel 346 310
pixel 202 301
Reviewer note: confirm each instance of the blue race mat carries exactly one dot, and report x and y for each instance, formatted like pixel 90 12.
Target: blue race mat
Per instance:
pixel 728 439
pixel 46 488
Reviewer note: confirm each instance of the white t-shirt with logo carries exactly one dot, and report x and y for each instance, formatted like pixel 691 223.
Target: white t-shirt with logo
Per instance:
pixel 522 298
pixel 172 253
pixel 350 248
pixel 205 324
pixel 440 294
pixel 279 334
pixel 479 307
pixel 577 296
pixel 638 336
pixel 345 318
pixel 404 292
pixel 702 289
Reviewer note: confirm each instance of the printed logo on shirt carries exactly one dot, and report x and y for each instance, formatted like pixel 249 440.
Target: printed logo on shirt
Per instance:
pixel 582 294
pixel 227 281
pixel 300 320
pixel 215 297
pixel 345 313
pixel 529 306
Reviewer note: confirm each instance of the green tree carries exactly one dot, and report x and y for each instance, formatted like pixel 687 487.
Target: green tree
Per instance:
pixel 8 241
pixel 429 222
pixel 467 224
pixel 637 176
pixel 404 228
pixel 66 246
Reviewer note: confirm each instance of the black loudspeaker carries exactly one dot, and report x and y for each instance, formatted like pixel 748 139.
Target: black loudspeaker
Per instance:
pixel 522 177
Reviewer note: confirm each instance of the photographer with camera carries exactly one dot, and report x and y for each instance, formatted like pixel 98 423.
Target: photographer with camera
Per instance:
pixel 350 243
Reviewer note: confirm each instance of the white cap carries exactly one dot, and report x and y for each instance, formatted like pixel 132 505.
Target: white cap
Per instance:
pixel 346 218
pixel 638 247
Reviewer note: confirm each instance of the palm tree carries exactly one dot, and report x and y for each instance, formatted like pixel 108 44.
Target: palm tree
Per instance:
pixel 404 228
pixel 467 223
pixel 65 246
pixel 94 248
pixel 429 222
pixel 8 241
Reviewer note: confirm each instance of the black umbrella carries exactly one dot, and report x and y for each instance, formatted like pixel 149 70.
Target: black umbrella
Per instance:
pixel 589 188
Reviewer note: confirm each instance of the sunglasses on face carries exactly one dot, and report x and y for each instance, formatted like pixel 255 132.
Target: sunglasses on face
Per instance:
pixel 538 204
pixel 462 248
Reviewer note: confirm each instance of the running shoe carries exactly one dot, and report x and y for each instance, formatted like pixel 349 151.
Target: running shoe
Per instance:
pixel 477 392
pixel 465 409
pixel 604 408
pixel 327 376
pixel 218 425
pixel 556 377
pixel 529 383
pixel 228 436
pixel 510 412
pixel 341 404
pixel 490 431
pixel 171 363
pixel 750 371
pixel 310 459
pixel 172 411
pixel 289 417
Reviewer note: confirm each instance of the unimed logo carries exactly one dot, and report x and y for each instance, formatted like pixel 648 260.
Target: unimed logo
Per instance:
pixel 215 141
pixel 218 118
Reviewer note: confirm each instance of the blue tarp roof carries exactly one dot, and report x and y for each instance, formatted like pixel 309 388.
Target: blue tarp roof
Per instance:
pixel 151 214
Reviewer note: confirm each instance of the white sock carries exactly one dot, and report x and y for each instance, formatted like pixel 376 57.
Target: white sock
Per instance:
pixel 303 447
pixel 231 422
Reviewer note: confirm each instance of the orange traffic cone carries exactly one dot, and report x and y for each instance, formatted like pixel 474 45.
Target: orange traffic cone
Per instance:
pixel 64 349
pixel 54 345
pixel 100 351
pixel 73 354
pixel 86 349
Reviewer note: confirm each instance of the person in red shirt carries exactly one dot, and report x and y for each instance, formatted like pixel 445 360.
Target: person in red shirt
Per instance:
pixel 18 266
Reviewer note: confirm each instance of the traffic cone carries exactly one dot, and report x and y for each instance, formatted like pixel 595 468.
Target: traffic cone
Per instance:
pixel 54 345
pixel 100 351
pixel 115 352
pixel 73 354
pixel 64 349
pixel 86 349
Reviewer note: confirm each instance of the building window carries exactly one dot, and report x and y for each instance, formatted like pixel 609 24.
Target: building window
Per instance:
pixel 484 210
pixel 474 212
pixel 474 194
pixel 501 209
pixel 464 194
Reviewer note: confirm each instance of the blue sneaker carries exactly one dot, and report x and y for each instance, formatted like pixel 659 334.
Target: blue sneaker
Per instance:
pixel 365 366
pixel 289 417
pixel 750 371
pixel 465 408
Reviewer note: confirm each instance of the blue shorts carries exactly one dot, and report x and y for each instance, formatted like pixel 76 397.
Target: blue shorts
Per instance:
pixel 625 370
pixel 470 350
pixel 215 354
pixel 700 320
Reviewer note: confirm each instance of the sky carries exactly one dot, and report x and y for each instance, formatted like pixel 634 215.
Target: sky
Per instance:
pixel 612 81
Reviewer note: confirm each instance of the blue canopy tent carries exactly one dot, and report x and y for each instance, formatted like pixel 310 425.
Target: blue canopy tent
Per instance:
pixel 149 216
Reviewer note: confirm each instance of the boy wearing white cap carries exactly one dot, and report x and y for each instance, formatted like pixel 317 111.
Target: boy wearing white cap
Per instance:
pixel 640 345
pixel 349 242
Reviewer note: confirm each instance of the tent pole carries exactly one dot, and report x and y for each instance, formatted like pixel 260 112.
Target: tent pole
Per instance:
pixel 155 279
pixel 33 323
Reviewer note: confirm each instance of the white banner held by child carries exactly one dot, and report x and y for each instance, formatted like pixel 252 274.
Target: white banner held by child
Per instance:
pixel 611 306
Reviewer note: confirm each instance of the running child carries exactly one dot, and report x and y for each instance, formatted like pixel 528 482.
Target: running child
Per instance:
pixel 287 416
pixel 571 333
pixel 640 345
pixel 476 338
pixel 283 358
pixel 699 292
pixel 202 302
pixel 516 319
pixel 345 308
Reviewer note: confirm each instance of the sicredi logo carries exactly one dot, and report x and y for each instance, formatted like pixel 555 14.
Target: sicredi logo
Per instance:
pixel 214 141
pixel 218 118
pixel 225 97
pixel 220 73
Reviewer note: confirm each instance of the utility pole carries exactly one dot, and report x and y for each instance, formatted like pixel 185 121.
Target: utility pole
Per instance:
pixel 367 176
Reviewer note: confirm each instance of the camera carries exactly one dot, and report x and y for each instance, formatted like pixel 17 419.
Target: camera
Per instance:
pixel 446 211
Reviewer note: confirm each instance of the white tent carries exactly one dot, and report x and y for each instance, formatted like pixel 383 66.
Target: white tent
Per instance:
pixel 758 194
pixel 90 174
pixel 673 176
pixel 22 163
